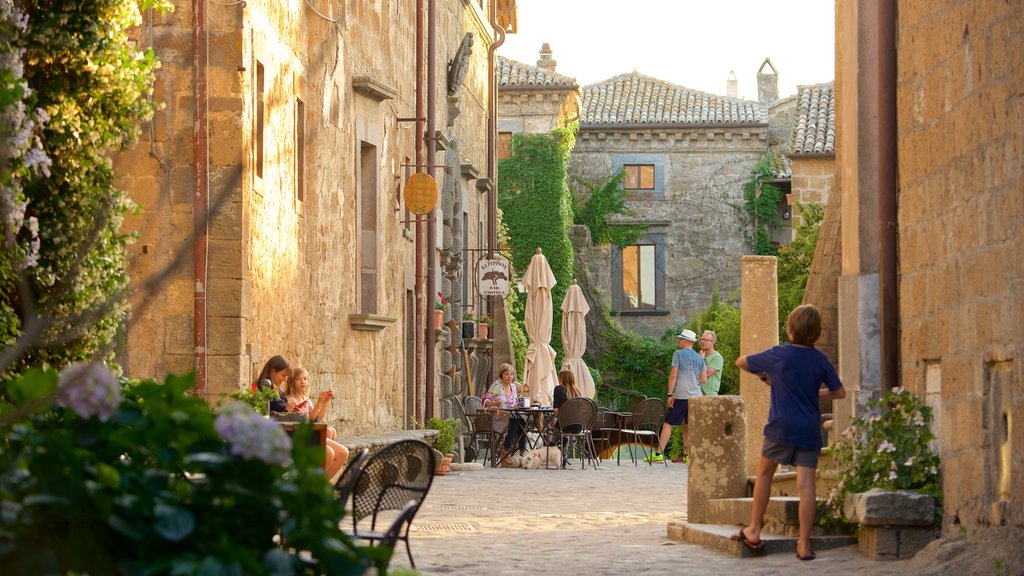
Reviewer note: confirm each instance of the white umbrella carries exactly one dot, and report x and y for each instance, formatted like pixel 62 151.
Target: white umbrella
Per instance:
pixel 539 372
pixel 574 338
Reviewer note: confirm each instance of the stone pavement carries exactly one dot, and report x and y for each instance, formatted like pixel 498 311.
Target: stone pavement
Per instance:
pixel 510 521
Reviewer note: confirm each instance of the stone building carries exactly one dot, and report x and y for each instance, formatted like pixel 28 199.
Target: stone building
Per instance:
pixel 294 127
pixel 932 146
pixel 686 155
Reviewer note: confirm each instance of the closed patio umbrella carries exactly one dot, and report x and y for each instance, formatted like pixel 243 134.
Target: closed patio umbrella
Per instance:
pixel 539 372
pixel 574 339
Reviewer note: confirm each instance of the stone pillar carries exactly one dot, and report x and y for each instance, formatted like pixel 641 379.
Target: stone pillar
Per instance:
pixel 718 453
pixel 759 329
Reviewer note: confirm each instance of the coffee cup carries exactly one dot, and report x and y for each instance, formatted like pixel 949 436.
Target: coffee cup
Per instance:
pixel 526 402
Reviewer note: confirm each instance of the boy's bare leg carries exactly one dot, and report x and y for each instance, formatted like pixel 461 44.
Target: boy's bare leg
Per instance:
pixel 807 510
pixel 762 490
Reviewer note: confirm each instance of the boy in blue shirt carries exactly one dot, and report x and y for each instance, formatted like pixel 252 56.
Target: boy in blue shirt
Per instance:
pixel 795 372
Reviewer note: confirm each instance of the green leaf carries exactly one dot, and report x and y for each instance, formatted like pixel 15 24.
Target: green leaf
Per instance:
pixel 34 384
pixel 278 562
pixel 174 523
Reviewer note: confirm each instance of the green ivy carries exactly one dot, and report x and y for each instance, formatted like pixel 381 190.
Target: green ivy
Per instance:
pixel 794 263
pixel 631 366
pixel 537 209
pixel 604 198
pixel 759 213
pixel 514 307
pixel 722 317
pixel 95 88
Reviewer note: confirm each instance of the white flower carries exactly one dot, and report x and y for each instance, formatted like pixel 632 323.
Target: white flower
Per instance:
pixel 89 390
pixel 251 436
pixel 910 461
pixel 886 446
pixel 892 475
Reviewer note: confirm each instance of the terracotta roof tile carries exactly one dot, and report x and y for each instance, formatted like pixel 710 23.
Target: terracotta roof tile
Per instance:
pixel 638 99
pixel 514 74
pixel 814 127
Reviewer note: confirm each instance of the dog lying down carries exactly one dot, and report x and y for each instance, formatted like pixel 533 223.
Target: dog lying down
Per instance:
pixel 543 457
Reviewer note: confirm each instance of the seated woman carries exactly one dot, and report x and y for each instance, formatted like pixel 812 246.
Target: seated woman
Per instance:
pixel 296 393
pixel 565 390
pixel 503 393
pixel 274 374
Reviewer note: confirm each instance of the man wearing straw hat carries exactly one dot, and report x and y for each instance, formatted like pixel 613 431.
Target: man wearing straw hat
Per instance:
pixel 683 383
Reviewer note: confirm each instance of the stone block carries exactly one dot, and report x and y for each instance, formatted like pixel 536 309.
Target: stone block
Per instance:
pixel 893 542
pixel 226 374
pixel 718 452
pixel 225 335
pixel 890 508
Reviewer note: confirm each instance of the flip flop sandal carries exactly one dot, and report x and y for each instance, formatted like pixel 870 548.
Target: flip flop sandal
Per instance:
pixel 741 536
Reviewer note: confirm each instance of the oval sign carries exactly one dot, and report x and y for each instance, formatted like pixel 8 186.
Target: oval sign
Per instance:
pixel 420 193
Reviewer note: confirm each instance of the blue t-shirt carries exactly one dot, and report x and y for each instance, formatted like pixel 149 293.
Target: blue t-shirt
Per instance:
pixel 796 373
pixel 689 365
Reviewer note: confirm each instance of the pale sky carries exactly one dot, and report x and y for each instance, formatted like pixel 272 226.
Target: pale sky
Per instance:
pixel 693 43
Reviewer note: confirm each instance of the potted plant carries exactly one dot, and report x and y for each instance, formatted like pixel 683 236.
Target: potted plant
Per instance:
pixel 468 325
pixel 440 307
pixel 444 442
pixel 485 327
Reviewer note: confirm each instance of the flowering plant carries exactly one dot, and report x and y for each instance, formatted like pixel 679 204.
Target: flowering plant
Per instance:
pixel 440 303
pixel 258 397
pixel 887 449
pixel 144 477
pixel 485 320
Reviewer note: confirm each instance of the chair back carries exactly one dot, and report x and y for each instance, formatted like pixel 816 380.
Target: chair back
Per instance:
pixel 343 487
pixel 397 473
pixel 576 415
pixel 471 405
pixel 651 415
pixel 605 420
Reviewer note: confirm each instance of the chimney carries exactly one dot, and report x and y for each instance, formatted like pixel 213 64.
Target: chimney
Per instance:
pixel 732 85
pixel 767 83
pixel 546 62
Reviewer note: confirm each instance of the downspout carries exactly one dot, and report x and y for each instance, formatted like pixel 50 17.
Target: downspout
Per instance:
pixel 420 313
pixel 888 188
pixel 431 138
pixel 492 159
pixel 200 201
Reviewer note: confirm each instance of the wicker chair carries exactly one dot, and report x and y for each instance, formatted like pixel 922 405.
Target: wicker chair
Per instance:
pixel 391 477
pixel 575 418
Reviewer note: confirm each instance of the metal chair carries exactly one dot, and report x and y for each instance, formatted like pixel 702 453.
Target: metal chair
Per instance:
pixel 394 532
pixel 575 417
pixel 645 425
pixel 605 427
pixel 343 487
pixel 470 407
pixel 624 423
pixel 391 477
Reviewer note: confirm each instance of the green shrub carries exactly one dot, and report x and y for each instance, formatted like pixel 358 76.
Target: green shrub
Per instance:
pixel 444 442
pixel 142 478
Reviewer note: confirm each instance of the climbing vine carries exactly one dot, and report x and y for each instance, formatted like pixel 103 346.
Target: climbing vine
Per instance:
pixel 759 213
pixel 794 265
pixel 604 198
pixel 537 209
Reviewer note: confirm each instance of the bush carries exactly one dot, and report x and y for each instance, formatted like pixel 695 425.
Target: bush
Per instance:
pixel 887 449
pixel 142 478
pixel 444 442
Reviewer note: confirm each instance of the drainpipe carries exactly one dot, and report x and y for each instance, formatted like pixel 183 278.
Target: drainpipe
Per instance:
pixel 492 160
pixel 432 219
pixel 888 187
pixel 421 302
pixel 200 201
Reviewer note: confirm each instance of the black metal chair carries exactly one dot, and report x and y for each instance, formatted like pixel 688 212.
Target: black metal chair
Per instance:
pixel 394 532
pixel 345 482
pixel 575 417
pixel 604 429
pixel 645 426
pixel 391 477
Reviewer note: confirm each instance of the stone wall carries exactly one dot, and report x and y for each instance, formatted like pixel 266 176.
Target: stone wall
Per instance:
pixel 813 180
pixel 960 95
pixel 288 267
pixel 692 214
pixel 536 110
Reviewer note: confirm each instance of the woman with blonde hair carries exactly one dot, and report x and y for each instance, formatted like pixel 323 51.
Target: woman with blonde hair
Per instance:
pixel 504 393
pixel 296 392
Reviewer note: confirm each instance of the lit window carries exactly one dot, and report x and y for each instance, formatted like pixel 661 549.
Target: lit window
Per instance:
pixel 639 273
pixel 638 177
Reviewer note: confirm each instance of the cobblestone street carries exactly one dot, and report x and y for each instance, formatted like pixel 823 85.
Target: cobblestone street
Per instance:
pixel 593 522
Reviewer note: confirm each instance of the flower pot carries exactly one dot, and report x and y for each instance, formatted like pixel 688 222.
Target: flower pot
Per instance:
pixel 438 319
pixel 444 466
pixel 483 329
pixel 468 328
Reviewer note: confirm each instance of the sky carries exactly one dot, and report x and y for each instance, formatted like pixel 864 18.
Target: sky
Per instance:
pixel 693 43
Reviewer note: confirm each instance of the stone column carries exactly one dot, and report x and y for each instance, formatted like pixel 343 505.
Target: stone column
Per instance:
pixel 759 329
pixel 718 453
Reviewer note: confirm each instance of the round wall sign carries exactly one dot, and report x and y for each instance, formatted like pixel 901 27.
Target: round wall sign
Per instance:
pixel 420 193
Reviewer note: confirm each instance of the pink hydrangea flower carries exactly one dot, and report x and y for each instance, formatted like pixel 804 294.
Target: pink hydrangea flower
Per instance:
pixel 251 436
pixel 89 389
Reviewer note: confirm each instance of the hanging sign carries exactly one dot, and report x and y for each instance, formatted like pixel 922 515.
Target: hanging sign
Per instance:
pixel 492 276
pixel 420 193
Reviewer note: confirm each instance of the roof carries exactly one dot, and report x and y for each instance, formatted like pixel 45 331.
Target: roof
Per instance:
pixel 638 99
pixel 512 74
pixel 814 127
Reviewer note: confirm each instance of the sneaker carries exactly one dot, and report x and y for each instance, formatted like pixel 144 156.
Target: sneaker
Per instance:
pixel 681 459
pixel 655 457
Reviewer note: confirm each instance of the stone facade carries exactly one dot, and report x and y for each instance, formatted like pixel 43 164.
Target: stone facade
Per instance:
pixel 959 136
pixel 318 263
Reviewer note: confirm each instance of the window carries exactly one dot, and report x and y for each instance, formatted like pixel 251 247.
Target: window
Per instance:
pixel 504 145
pixel 300 150
pixel 367 240
pixel 639 274
pixel 260 100
pixel 638 177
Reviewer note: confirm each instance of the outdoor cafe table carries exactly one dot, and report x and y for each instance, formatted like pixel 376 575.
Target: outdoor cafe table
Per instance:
pixel 533 420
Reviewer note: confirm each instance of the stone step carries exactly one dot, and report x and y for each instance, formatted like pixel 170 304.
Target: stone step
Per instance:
pixel 718 537
pixel 780 517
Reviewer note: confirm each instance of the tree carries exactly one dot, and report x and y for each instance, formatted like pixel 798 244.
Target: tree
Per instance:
pixel 94 87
